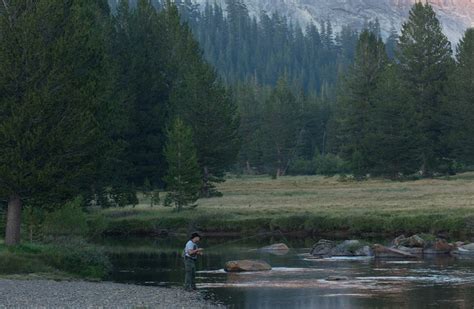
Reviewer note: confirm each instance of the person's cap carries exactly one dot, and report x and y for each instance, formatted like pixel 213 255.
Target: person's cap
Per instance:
pixel 195 235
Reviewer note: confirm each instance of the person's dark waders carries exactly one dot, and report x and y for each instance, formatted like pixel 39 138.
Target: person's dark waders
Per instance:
pixel 190 278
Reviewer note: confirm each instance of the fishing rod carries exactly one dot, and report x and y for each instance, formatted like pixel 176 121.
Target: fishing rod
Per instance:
pixel 239 240
pixel 285 239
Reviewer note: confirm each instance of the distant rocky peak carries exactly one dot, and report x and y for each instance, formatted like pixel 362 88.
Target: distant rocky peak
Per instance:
pixel 456 15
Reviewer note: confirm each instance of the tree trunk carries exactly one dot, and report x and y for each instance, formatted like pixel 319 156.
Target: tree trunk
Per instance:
pixel 12 234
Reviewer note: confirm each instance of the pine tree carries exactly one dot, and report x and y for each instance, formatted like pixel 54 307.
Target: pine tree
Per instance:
pixel 392 138
pixel 183 178
pixel 357 100
pixel 460 101
pixel 392 43
pixel 425 59
pixel 52 64
pixel 200 99
pixel 141 50
pixel 248 98
pixel 281 127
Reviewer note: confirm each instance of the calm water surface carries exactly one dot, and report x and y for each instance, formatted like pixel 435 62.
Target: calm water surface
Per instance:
pixel 295 281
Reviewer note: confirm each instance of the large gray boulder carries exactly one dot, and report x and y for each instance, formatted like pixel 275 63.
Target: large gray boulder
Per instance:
pixel 422 245
pixel 323 248
pixel 415 251
pixel 352 248
pixel 247 266
pixel 414 241
pixel 327 248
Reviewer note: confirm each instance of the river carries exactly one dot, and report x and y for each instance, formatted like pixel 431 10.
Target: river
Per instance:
pixel 295 281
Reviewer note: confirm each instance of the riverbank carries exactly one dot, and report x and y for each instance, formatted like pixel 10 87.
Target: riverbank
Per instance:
pixel 70 259
pixel 79 294
pixel 313 205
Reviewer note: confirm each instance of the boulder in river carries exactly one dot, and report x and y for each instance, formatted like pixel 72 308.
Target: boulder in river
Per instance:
pixel 351 248
pixel 469 247
pixel 327 248
pixel 323 248
pixel 465 250
pixel 414 241
pixel 364 251
pixel 277 249
pixel 247 266
pixel 439 246
pixel 388 253
pixel 415 251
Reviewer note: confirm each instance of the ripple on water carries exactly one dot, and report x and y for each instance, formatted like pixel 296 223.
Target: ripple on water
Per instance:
pixel 298 284
pixel 339 259
pixel 420 279
pixel 404 262
pixel 274 270
pixel 217 271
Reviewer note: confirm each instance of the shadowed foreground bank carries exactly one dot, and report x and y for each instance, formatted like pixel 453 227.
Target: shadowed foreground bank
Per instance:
pixel 78 294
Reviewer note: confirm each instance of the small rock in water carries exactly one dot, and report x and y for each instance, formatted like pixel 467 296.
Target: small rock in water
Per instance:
pixel 440 246
pixel 397 241
pixel 465 250
pixel 415 251
pixel 469 247
pixel 277 249
pixel 247 266
pixel 385 252
pixel 346 248
pixel 337 278
pixel 364 251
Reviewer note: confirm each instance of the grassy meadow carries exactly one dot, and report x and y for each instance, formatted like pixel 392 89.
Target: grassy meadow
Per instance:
pixel 314 204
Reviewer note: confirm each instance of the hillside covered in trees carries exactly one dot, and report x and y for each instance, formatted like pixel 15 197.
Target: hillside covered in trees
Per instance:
pixel 104 101
pixel 86 100
pixel 315 101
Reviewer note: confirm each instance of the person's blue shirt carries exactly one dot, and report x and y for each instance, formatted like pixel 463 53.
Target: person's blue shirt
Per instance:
pixel 190 245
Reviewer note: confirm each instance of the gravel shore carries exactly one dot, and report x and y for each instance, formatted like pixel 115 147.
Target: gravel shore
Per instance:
pixel 79 294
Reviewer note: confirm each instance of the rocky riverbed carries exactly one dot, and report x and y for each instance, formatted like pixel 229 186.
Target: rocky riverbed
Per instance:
pixel 79 294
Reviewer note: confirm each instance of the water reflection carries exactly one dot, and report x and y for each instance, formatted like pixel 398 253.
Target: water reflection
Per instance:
pixel 296 281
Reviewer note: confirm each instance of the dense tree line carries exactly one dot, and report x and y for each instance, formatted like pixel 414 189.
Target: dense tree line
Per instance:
pixel 399 108
pixel 282 129
pixel 86 98
pixel 411 114
pixel 243 47
pixel 263 48
pixel 103 101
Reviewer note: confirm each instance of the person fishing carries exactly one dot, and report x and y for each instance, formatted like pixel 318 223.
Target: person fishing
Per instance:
pixel 191 252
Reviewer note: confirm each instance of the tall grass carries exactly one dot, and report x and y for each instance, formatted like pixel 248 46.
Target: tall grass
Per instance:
pixel 315 204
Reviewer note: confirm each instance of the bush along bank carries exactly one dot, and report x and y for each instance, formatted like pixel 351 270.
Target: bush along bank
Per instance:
pixel 56 245
pixel 308 224
pixel 74 259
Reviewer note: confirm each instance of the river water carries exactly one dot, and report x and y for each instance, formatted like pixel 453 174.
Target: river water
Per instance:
pixel 296 281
